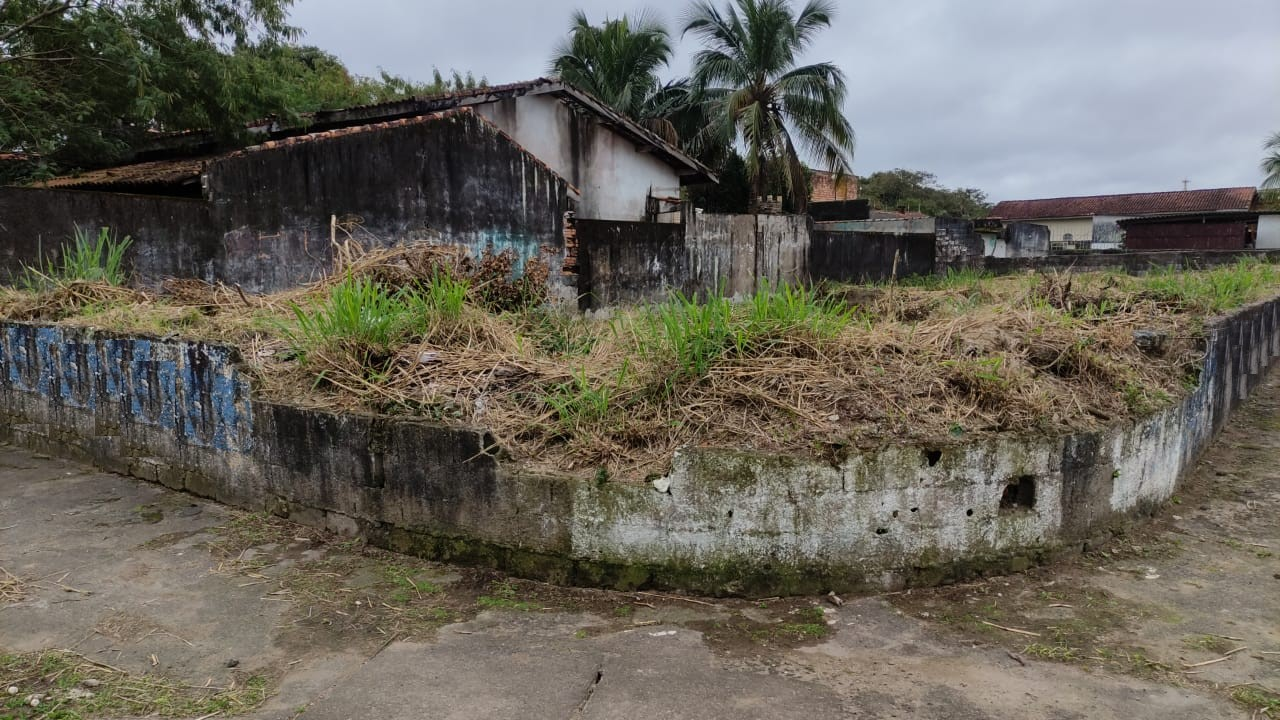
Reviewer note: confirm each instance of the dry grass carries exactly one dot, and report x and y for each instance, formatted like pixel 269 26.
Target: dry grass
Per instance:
pixel 12 588
pixel 65 684
pixel 947 360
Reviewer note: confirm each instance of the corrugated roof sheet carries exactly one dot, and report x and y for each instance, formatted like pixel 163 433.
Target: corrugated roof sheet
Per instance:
pixel 159 172
pixel 1157 203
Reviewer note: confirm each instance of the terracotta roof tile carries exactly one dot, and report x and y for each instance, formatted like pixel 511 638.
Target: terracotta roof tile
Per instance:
pixel 159 172
pixel 1178 201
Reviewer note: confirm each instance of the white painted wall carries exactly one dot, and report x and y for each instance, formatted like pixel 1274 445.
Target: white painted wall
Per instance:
pixel 1268 232
pixel 1107 235
pixel 614 177
pixel 1080 229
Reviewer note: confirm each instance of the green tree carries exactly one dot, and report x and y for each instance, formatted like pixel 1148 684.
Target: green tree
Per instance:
pixel 920 191
pixel 618 62
pixel 1271 163
pixel 752 88
pixel 81 80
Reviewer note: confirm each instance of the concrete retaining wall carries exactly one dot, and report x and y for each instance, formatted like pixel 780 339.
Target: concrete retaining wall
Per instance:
pixel 181 413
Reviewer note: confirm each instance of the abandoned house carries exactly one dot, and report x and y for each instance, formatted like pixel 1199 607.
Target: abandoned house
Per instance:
pixel 1091 223
pixel 498 167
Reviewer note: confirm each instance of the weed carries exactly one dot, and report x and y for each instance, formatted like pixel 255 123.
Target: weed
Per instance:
pixel 1215 291
pixel 68 686
pixel 693 335
pixel 1059 651
pixel 89 258
pixel 1257 698
pixel 442 297
pixel 503 597
pixel 579 402
pixel 359 316
pixel 1208 643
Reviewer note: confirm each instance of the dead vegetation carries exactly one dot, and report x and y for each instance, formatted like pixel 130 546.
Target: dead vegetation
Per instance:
pixel 427 331
pixel 65 684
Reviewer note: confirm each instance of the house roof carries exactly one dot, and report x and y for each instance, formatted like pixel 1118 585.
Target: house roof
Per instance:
pixel 1157 203
pixel 187 170
pixel 1200 217
pixel 159 172
pixel 330 123
pixel 689 169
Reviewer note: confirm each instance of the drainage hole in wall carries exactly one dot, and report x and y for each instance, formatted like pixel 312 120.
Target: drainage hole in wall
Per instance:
pixel 729 514
pixel 882 531
pixel 969 512
pixel 895 513
pixel 931 457
pixel 1019 494
pixel 915 509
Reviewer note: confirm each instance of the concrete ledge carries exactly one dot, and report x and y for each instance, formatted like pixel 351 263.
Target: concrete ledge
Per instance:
pixel 722 522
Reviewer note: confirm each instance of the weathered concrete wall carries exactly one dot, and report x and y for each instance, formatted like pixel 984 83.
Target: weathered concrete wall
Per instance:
pixel 613 173
pixel 627 263
pixel 171 236
pixel 836 210
pixel 621 263
pixel 1026 240
pixel 456 179
pixel 1130 262
pixel 869 257
pixel 1268 232
pixel 452 179
pixel 722 521
pixel 896 226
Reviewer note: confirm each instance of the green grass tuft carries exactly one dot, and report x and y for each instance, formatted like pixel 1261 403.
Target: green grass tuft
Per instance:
pixel 89 258
pixel 1214 291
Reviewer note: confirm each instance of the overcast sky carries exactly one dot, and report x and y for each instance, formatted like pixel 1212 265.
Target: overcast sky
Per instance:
pixel 1022 99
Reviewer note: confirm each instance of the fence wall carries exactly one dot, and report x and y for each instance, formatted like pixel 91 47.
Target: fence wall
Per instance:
pixel 453 179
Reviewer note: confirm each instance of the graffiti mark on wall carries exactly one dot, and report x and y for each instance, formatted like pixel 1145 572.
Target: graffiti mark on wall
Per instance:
pixel 191 389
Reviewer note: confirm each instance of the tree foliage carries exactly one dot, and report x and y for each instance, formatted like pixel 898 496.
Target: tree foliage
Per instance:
pixel 618 62
pixel 1271 163
pixel 80 80
pixel 753 90
pixel 920 191
pixel 83 82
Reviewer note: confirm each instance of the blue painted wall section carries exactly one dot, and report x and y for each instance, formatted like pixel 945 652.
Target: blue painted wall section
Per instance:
pixel 192 390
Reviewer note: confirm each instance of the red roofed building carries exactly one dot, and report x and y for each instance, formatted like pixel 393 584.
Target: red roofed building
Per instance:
pixel 1090 222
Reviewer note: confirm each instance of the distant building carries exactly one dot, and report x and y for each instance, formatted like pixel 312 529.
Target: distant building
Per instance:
pixel 828 187
pixel 1091 222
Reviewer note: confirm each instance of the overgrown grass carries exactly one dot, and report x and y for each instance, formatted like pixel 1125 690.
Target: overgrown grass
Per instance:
pixel 692 334
pixel 789 370
pixel 953 279
pixel 1212 291
pixel 365 320
pixel 582 402
pixel 88 258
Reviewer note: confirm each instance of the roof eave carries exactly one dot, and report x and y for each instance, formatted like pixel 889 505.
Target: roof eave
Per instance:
pixel 692 173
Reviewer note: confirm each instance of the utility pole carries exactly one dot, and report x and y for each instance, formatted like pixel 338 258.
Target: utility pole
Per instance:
pixel 1184 184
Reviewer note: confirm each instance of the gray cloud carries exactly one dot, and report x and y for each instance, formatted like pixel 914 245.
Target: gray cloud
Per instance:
pixel 1021 99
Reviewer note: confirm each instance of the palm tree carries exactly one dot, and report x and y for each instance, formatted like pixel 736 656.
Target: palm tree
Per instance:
pixel 754 91
pixel 618 63
pixel 1271 163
